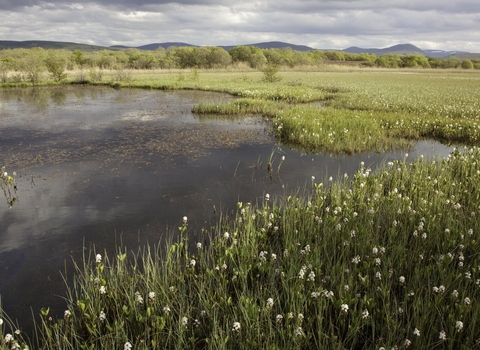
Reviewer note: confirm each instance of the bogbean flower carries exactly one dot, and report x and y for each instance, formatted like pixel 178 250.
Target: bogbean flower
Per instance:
pixel 269 303
pixel 356 259
pixel 401 279
pixel 127 346
pixel 311 276
pixel 151 296
pixel 166 309
pixel 192 263
pixel 138 298
pixel 416 332
pixel 1 321
pixel 98 258
pixel 467 301
pixel 442 335
pixel 365 314
pixel 199 246
pixel 407 343
pixel 459 326
pixel 236 327
pixel 103 290
pixel 344 308
pixel 299 332
pixel 279 319
pixel 184 321
pixel 8 338
pixel 67 314
pixel 226 235
pixel 185 219
pixel 267 197
pixel 102 317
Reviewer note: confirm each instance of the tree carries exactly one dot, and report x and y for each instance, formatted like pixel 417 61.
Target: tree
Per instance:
pixel 6 65
pixel 467 64
pixel 218 57
pixel 55 64
pixel 32 63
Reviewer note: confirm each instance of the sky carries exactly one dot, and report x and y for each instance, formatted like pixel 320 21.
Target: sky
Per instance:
pixel 450 25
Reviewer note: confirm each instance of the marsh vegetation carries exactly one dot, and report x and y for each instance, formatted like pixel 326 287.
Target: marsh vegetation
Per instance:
pixel 384 257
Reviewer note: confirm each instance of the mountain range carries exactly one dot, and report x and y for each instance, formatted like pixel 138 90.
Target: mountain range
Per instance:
pixel 400 49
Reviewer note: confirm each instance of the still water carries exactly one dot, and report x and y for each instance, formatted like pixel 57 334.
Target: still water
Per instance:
pixel 103 167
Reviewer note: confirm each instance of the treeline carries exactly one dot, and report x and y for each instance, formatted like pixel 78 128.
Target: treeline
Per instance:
pixel 29 64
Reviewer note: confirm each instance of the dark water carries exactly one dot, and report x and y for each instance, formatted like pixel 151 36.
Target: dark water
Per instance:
pixel 98 166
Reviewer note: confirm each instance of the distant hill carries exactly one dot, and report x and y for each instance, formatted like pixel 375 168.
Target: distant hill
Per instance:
pixel 153 46
pixel 401 49
pixel 274 45
pixel 409 49
pixel 4 44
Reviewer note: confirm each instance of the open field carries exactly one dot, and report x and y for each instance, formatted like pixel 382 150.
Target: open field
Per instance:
pixel 384 259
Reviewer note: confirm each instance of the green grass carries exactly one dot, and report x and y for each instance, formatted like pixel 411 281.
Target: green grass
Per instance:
pixel 382 259
pixel 381 109
pixel 359 264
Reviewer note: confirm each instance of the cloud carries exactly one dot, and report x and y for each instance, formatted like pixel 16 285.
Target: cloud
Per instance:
pixel 213 22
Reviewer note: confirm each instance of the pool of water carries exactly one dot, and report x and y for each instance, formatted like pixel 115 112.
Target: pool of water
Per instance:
pixel 103 167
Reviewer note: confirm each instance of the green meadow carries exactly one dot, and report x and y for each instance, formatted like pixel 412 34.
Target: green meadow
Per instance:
pixel 385 259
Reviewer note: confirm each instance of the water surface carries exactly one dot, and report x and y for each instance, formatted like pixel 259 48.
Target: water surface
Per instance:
pixel 98 166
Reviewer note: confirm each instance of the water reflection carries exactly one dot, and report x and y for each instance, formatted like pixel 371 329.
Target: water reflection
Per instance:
pixel 102 166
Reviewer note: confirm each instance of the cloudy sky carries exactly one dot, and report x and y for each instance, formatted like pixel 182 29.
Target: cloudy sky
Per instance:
pixel 322 24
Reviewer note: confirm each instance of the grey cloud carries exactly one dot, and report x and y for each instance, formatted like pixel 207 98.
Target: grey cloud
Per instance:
pixel 325 24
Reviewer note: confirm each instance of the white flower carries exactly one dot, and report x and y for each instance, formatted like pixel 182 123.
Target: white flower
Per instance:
pixel 365 313
pixel 98 258
pixel 299 332
pixel 102 317
pixel 103 290
pixel 279 318
pixel 344 308
pixel 313 178
pixel 151 295
pixel 401 279
pixel 269 302
pixel 267 197
pixel 184 321
pixel 166 309
pixel 5 174
pixel 236 327
pixel 407 343
pixel 467 301
pixel 442 335
pixel 226 235
pixel 416 332
pixel 378 262
pixel 356 259
pixel 1 321
pixel 311 276
pixel 192 263
pixel 139 298
pixel 459 326
pixel 127 346
pixel 199 246
pixel 455 293
pixel 8 338
pixel 374 250
pixel 185 219
pixel 378 275
pixel 67 314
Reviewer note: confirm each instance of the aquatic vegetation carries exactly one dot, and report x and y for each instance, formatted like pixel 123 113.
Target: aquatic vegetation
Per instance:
pixel 380 259
pixel 8 185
